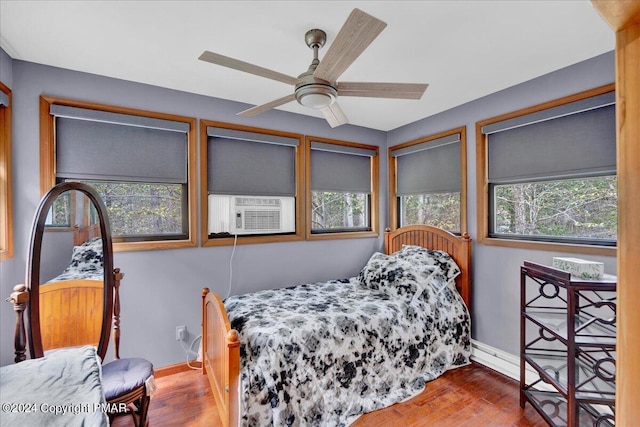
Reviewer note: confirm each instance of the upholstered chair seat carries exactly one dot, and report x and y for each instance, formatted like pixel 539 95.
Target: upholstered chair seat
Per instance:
pixel 129 381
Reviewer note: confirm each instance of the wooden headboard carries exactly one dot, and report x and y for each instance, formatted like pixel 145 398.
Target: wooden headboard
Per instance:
pixel 85 233
pixel 459 247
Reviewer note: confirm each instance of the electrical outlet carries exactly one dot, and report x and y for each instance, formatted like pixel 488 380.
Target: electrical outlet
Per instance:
pixel 181 332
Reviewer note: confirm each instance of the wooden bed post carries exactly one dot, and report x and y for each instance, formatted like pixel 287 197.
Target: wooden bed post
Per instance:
pixel 203 340
pixel 117 277
pixel 19 298
pixel 464 280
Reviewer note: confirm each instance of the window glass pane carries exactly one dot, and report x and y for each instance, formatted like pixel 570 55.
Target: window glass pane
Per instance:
pixel 437 209
pixel 335 211
pixel 143 209
pixel 572 208
pixel 60 214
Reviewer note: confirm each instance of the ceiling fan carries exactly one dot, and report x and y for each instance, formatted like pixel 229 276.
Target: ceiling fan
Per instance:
pixel 317 87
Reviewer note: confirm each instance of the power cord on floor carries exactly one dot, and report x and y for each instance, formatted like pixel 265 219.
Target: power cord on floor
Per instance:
pixel 190 351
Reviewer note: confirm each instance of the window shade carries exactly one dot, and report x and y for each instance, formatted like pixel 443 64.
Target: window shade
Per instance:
pixel 94 145
pixel 249 163
pixel 252 136
pixel 340 168
pixel 4 99
pixel 430 167
pixel 576 145
pixel 117 118
pixel 575 107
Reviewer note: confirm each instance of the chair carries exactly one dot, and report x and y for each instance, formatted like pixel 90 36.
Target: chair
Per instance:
pixel 130 380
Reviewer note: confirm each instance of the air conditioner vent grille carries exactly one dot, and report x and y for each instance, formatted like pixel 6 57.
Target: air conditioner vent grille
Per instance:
pixel 261 220
pixel 254 201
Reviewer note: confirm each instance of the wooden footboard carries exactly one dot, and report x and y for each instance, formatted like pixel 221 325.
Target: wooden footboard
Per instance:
pixel 220 357
pixel 75 302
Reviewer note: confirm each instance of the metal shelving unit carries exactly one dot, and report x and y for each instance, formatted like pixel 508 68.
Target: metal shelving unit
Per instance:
pixel 568 338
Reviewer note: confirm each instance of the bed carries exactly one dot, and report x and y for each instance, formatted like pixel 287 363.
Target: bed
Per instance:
pixel 81 281
pixel 61 389
pixel 357 344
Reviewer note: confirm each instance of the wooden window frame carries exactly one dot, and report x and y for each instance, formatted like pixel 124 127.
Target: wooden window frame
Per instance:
pixel 6 195
pixel 48 172
pixel 393 205
pixel 482 184
pixel 375 192
pixel 204 203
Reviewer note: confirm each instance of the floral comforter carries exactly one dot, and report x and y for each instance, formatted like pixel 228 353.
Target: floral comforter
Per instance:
pixel 86 262
pixel 323 354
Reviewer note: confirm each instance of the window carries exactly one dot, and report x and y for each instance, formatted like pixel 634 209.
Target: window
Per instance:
pixel 251 191
pixel 142 164
pixel 61 215
pixel 343 188
pixel 551 174
pixel 6 210
pixel 429 181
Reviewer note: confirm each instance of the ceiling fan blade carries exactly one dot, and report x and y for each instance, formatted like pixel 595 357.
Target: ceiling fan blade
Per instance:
pixel 334 115
pixel 382 90
pixel 236 64
pixel 356 34
pixel 268 106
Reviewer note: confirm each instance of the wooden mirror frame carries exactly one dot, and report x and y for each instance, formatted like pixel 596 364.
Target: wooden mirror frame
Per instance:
pixel 33 268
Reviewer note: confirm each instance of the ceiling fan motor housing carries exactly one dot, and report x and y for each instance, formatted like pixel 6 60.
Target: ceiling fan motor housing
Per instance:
pixel 314 93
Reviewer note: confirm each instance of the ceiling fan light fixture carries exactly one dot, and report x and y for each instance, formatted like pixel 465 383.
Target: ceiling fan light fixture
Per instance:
pixel 316 95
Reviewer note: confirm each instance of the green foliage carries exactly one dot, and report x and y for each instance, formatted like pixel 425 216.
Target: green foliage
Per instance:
pixel 583 208
pixel 333 210
pixel 436 209
pixel 142 209
pixel 60 213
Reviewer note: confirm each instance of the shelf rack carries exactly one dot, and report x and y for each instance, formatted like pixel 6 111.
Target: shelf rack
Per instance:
pixel 568 337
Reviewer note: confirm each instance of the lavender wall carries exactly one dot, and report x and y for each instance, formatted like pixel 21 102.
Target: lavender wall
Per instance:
pixel 496 290
pixel 161 289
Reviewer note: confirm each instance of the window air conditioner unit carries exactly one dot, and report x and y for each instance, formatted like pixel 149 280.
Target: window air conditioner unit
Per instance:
pixel 251 214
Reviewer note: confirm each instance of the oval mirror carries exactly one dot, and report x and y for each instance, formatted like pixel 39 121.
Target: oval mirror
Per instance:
pixel 71 296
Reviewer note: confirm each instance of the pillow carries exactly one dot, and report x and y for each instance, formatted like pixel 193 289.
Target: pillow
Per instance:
pixel 394 276
pixel 440 259
pixel 87 257
pixel 445 268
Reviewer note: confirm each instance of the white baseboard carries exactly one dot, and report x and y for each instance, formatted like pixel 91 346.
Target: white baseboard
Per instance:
pixel 506 363
pixel 496 359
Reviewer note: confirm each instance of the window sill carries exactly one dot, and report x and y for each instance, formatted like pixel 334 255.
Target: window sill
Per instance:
pixel 249 240
pixel 549 246
pixel 342 235
pixel 152 246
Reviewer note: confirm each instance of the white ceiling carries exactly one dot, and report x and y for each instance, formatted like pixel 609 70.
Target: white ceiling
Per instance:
pixel 463 49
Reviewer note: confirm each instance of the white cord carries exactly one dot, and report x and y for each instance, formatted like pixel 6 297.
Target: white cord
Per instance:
pixel 235 243
pixel 190 351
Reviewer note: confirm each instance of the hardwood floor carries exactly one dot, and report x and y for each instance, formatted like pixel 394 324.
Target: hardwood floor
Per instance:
pixel 472 396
